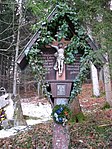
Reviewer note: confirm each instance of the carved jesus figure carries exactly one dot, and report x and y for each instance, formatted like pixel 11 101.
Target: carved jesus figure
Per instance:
pixel 59 65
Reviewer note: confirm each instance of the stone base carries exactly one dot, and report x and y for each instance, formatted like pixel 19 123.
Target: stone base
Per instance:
pixel 60 137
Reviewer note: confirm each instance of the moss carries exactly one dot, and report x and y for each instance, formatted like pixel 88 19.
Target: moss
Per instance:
pixel 102 94
pixel 106 106
pixel 78 118
pixel 72 120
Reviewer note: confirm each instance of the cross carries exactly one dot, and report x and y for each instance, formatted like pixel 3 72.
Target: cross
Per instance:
pixel 63 41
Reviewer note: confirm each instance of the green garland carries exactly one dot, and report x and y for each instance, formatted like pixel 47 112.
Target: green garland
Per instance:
pixel 61 114
pixel 78 42
pixel 36 63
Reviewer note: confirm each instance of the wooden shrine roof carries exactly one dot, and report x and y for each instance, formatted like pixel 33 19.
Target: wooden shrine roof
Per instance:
pixel 22 60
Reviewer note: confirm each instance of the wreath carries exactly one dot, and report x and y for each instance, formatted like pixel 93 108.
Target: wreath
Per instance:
pixel 61 114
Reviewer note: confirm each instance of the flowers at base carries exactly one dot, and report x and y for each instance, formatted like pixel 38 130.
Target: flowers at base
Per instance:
pixel 2 115
pixel 61 114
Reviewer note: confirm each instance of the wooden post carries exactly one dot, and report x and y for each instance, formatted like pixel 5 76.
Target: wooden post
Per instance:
pixel 60 133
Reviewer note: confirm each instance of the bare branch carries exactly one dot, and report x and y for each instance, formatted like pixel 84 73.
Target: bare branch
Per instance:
pixel 8 28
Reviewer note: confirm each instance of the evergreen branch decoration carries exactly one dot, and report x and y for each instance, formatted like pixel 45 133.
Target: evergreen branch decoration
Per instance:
pixel 36 63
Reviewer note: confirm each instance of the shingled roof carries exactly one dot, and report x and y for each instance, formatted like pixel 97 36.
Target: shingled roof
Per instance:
pixel 22 59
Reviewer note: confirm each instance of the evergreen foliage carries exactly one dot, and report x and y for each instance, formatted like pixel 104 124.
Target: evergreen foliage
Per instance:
pixel 97 15
pixel 57 29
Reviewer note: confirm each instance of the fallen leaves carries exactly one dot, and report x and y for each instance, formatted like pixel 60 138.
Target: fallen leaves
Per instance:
pixel 94 133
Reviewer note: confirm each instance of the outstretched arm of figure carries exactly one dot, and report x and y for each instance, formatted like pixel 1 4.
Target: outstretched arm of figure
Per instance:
pixel 65 47
pixel 56 47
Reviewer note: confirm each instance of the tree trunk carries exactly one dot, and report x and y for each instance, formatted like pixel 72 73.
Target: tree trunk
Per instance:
pixel 17 49
pixel 77 114
pixel 94 75
pixel 111 5
pixel 75 106
pixel 107 82
pixel 18 113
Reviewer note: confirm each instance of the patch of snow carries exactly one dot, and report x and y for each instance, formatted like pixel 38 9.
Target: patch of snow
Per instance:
pixel 11 131
pixel 34 122
pixel 38 113
pixel 33 110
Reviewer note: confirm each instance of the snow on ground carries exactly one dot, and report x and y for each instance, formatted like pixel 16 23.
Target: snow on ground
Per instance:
pixel 36 113
pixel 12 131
pixel 34 110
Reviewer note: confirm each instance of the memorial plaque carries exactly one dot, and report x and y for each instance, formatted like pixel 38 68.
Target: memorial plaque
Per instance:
pixel 49 61
pixel 61 89
pixel 73 70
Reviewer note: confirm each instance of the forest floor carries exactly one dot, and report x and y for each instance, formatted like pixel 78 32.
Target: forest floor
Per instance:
pixel 93 133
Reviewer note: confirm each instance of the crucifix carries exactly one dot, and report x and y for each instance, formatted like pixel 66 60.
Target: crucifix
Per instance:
pixel 59 54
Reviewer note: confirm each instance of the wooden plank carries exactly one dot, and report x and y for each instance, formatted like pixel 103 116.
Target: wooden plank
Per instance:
pixel 48 64
pixel 21 60
pixel 73 70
